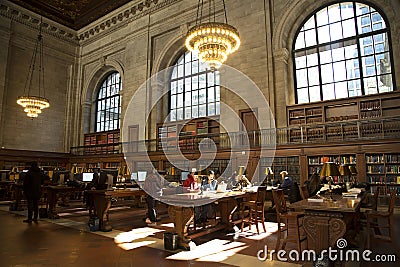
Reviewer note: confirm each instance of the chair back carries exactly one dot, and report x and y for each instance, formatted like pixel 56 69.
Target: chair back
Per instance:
pixel 304 192
pixel 375 199
pixel 261 194
pixel 280 201
pixel 392 201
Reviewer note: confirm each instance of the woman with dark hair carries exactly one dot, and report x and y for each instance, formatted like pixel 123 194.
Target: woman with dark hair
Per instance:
pixel 32 190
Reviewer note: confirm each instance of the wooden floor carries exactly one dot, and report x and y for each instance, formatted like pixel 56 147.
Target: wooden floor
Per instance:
pixel 68 242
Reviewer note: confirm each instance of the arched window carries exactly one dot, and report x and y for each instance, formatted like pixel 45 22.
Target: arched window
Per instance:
pixel 342 50
pixel 195 90
pixel 108 104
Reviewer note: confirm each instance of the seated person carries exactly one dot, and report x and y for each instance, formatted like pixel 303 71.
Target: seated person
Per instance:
pixel 313 184
pixel 209 182
pixel 287 181
pixel 190 182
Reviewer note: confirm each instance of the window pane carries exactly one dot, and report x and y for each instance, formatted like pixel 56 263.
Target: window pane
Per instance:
pixel 310 38
pixel 195 66
pixel 202 81
pixel 346 10
pixel 179 114
pixel 211 95
pixel 179 100
pixel 339 69
pixel 326 73
pixel 195 98
pixel 336 31
pixel 314 94
pixel 310 24
pixel 217 94
pixel 301 76
pixel 322 17
pixel 202 111
pixel 300 61
pixel 180 70
pixel 195 112
pixel 351 51
pixel 180 86
pixel 326 55
pixel 173 101
pixel 323 35
pixel 334 13
pixel 174 86
pixel 328 92
pixel 349 28
pixel 188 113
pixel 370 86
pixel 202 96
pixel 383 63
pixel 337 53
pixel 211 109
pixel 302 95
pixel 313 77
pixel 188 84
pixel 195 82
pixel 312 57
pixel 385 83
pixel 300 43
pixel 341 90
pixel 188 99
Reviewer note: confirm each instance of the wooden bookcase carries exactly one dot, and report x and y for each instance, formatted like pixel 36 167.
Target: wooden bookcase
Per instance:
pixel 358 108
pixel 102 143
pixel 315 163
pixel 278 164
pixel 383 173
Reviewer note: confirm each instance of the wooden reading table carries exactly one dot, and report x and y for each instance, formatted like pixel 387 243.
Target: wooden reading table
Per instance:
pixel 101 202
pixel 325 222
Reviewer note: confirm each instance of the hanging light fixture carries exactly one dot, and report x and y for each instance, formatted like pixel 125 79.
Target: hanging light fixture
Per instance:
pixel 213 41
pixel 32 104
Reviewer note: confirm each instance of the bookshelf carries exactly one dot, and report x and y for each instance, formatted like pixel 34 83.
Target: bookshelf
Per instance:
pixel 278 164
pixel 186 130
pixel 365 107
pixel 315 162
pixel 383 173
pixel 102 143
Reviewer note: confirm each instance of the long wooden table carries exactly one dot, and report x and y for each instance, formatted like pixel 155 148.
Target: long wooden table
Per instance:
pixel 325 222
pixel 181 210
pixel 101 202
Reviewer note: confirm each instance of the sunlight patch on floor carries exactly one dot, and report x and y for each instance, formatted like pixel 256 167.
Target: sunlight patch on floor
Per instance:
pixel 216 250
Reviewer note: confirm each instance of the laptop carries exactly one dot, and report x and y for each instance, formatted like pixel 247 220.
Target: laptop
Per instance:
pixel 221 188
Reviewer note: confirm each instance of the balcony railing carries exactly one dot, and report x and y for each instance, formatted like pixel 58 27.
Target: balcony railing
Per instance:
pixel 358 130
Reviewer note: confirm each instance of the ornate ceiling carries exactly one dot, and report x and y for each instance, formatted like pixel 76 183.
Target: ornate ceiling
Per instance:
pixel 74 14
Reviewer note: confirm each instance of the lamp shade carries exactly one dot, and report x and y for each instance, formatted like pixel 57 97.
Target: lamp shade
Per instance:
pixel 329 169
pixel 344 170
pixel 241 170
pixel 268 171
pixel 353 170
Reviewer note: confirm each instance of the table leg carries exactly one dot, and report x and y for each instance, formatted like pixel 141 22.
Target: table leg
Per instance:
pixel 227 208
pixel 181 216
pixel 101 207
pixel 52 198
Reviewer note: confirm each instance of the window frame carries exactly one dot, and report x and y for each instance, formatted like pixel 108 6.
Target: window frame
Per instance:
pixel 201 70
pixel 356 38
pixel 100 126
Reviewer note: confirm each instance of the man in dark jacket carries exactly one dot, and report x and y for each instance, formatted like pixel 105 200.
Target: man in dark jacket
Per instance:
pixel 32 190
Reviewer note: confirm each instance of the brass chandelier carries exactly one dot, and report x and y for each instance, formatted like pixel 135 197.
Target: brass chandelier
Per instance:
pixel 32 104
pixel 213 41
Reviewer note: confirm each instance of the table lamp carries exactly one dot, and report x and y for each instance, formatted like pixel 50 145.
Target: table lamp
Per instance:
pixel 329 169
pixel 354 173
pixel 344 171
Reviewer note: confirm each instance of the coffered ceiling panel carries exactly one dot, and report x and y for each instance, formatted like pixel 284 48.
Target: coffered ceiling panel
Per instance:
pixel 74 14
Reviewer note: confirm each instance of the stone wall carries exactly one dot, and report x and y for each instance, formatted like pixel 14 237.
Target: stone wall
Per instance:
pixel 138 41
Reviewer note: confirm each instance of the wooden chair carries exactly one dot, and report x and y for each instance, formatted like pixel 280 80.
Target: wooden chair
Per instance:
pixel 290 220
pixel 375 218
pixel 256 209
pixel 304 192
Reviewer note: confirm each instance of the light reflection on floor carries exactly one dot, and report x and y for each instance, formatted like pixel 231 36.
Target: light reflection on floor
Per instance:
pixel 216 250
pixel 132 239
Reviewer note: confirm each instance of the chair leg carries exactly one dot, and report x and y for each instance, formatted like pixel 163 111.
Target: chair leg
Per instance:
pixel 278 238
pixel 298 235
pixel 263 219
pixel 368 233
pixel 256 220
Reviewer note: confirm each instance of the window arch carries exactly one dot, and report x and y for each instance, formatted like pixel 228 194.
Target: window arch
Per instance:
pixel 342 50
pixel 108 103
pixel 195 90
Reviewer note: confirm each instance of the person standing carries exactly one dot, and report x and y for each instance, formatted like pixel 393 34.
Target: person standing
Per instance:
pixel 153 187
pixel 32 190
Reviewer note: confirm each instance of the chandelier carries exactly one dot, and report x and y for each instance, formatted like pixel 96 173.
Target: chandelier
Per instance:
pixel 32 104
pixel 213 41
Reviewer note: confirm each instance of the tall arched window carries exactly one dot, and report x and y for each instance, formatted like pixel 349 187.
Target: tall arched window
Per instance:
pixel 342 50
pixel 195 90
pixel 108 104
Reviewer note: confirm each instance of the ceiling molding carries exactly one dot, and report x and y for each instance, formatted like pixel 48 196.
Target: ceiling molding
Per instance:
pixel 30 19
